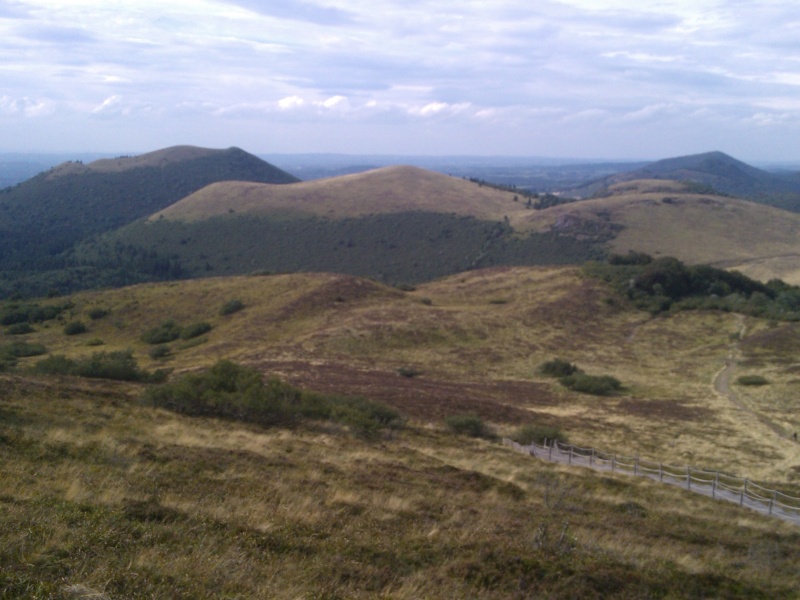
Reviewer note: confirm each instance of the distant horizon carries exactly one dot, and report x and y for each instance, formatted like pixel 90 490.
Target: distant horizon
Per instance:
pixel 348 157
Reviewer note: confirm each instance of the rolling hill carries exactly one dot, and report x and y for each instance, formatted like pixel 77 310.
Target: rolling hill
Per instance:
pixel 406 225
pixel 716 171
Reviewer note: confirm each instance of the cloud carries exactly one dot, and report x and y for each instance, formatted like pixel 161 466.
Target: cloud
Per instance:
pixel 25 107
pixel 296 10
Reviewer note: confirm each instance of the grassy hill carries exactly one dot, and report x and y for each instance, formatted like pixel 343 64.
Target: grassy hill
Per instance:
pixel 132 501
pixel 407 225
pixel 715 171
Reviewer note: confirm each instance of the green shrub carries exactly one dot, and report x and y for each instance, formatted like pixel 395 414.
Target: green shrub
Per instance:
pixel 602 385
pixel 119 365
pixel 471 425
pixel 95 342
pixel 529 434
pixel 409 372
pixel 20 329
pixel 22 349
pixel 159 352
pixel 230 307
pixel 195 330
pixel 74 328
pixel 231 391
pixel 754 380
pixel 55 364
pixel 558 368
pixel 168 331
pixel 98 313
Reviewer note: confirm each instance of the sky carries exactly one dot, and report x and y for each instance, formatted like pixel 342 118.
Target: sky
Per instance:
pixel 610 79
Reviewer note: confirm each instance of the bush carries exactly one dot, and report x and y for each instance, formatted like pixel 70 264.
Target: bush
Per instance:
pixel 558 368
pixel 74 328
pixel 602 385
pixel 231 391
pixel 97 313
pixel 22 349
pixel 409 372
pixel 168 331
pixel 230 307
pixel 530 434
pixel 471 425
pixel 159 352
pixel 20 329
pixel 119 365
pixel 755 380
pixel 195 330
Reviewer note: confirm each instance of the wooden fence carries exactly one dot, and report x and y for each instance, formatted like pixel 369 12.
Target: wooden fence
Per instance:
pixel 717 485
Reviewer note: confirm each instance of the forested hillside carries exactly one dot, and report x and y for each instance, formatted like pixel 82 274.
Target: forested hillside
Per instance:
pixel 42 218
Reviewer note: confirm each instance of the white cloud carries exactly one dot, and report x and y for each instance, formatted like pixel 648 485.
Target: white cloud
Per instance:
pixel 522 68
pixel 290 102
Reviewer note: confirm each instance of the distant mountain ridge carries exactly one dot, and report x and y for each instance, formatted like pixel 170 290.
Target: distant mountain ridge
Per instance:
pixel 717 171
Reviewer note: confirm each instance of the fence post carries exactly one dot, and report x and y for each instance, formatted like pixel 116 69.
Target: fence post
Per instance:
pixel 613 462
pixel 661 471
pixel 772 501
pixel 744 491
pixel 550 453
pixel 570 455
pixel 714 485
pixel 688 477
pixel 636 466
pixel 591 458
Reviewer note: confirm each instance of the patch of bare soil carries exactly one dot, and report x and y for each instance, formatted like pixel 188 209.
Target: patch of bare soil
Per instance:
pixel 420 397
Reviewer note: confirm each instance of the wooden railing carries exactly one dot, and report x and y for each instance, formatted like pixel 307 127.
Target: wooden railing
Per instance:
pixel 717 485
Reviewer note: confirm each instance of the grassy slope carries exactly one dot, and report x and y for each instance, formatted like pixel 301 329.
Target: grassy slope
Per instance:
pixel 101 494
pixel 758 240
pixel 386 190
pixel 478 338
pixel 104 498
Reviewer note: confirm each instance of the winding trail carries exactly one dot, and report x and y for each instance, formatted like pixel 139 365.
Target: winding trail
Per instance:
pixel 722 384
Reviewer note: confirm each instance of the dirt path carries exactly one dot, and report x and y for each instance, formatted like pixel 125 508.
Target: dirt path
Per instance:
pixel 723 378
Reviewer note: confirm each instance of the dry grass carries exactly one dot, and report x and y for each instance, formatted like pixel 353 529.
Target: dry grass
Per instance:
pixel 101 495
pixel 476 342
pixel 385 190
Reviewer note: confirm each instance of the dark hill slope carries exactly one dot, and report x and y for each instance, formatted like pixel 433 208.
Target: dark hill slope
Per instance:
pixel 46 215
pixel 719 172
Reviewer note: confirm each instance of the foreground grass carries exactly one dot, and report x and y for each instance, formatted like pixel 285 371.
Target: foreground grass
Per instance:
pixel 102 495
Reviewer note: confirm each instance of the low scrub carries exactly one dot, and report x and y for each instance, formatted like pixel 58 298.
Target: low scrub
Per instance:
pixel 557 368
pixel 195 330
pixel 661 284
pixel 75 328
pixel 230 307
pixel 168 331
pixel 754 380
pixel 597 385
pixel 9 353
pixel 573 378
pixel 470 425
pixel 232 391
pixel 121 366
pixel 538 434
